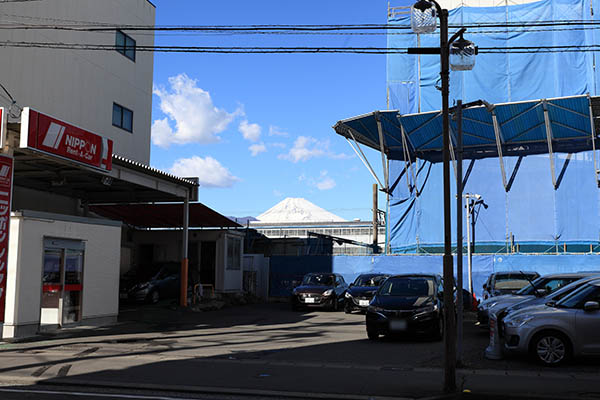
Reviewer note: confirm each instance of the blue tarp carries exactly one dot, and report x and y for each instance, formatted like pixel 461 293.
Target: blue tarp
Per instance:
pixel 532 211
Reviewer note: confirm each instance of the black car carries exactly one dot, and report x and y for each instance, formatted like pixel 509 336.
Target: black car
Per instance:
pixel 320 290
pixel 161 285
pixel 361 291
pixel 411 303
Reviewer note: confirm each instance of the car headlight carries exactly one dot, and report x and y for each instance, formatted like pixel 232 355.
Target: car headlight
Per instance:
pixel 519 321
pixel 421 312
pixel 348 295
pixel 328 292
pixel 142 286
pixel 374 309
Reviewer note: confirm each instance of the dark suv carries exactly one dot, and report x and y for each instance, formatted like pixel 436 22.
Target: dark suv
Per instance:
pixel 407 304
pixel 320 290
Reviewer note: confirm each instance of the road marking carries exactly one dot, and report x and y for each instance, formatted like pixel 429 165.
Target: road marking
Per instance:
pixel 91 394
pixel 63 371
pixel 87 351
pixel 38 372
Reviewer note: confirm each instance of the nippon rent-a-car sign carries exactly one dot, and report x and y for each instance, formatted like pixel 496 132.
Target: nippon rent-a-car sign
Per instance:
pixel 49 135
pixel 3 117
pixel 6 177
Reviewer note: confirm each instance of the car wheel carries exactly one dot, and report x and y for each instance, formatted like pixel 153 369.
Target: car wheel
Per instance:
pixel 551 348
pixel 372 335
pixel 154 297
pixel 336 304
pixel 347 309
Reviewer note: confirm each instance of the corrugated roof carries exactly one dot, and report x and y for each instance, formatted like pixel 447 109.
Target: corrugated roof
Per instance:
pixel 521 129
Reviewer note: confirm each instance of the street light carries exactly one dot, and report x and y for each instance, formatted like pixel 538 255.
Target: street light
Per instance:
pixel 472 200
pixel 423 20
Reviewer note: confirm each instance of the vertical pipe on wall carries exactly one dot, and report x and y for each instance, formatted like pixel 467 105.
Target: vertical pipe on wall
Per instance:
pixel 184 251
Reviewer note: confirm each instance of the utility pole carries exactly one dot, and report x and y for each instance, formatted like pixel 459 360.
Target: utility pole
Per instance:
pixel 459 237
pixel 375 226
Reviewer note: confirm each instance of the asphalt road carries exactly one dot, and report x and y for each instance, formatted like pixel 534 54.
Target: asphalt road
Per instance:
pixel 269 349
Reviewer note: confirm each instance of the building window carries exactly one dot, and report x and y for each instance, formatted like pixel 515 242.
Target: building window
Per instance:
pixel 125 45
pixel 122 117
pixel 233 253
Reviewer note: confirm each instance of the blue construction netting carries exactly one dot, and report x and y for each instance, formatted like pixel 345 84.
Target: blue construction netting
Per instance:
pixel 532 215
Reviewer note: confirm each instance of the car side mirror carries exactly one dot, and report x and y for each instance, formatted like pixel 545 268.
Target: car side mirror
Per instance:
pixel 484 286
pixel 591 306
pixel 350 285
pixel 551 303
pixel 541 292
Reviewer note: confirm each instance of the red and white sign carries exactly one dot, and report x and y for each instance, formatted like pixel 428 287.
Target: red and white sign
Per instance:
pixel 6 177
pixel 2 126
pixel 52 136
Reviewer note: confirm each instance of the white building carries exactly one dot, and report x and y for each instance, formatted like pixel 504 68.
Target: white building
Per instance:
pixel 77 136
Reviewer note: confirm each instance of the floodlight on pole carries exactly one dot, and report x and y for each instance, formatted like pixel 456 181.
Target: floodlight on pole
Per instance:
pixel 462 54
pixel 423 17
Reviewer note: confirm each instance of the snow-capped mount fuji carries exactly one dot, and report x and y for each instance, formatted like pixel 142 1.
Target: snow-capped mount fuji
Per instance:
pixel 297 210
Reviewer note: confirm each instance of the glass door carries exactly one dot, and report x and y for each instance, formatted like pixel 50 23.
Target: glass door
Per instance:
pixel 51 288
pixel 62 283
pixel 71 310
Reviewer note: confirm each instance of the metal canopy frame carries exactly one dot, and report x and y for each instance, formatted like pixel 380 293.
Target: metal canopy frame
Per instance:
pixel 545 126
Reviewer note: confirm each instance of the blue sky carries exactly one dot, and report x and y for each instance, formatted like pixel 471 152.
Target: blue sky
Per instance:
pixel 256 128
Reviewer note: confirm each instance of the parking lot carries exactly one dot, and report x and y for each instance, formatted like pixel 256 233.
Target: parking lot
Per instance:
pixel 265 347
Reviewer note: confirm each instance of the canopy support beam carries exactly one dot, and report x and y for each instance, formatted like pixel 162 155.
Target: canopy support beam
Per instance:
pixel 362 157
pixel 498 135
pixel 514 174
pixel 549 140
pixel 563 170
pixel 382 151
pixel 593 130
pixel 468 173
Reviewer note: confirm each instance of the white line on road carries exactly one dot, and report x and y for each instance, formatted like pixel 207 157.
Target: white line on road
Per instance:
pixel 90 394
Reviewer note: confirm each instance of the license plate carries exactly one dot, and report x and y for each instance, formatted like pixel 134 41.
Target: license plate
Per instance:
pixel 398 325
pixel 363 303
pixel 309 300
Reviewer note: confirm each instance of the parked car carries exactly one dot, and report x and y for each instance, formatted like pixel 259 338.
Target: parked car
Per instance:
pixel 163 284
pixel 500 283
pixel 539 288
pixel 361 291
pixel 500 311
pixel 320 290
pixel 411 303
pixel 554 332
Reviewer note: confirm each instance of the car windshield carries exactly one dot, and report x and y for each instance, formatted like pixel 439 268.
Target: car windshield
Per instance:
pixel 408 287
pixel 548 284
pixel 510 281
pixel 580 296
pixel 318 280
pixel 369 280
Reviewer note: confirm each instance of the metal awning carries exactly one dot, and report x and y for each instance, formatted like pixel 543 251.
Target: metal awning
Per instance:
pixel 127 182
pixel 164 215
pixel 559 125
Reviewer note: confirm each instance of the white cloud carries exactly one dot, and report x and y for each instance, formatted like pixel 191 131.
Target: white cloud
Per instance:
pixel 256 149
pixel 275 131
pixel 277 193
pixel 250 132
pixel 209 171
pixel 306 147
pixel 191 110
pixel 325 182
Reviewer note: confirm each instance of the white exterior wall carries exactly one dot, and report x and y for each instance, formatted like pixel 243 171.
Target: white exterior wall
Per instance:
pixel 24 273
pixel 80 86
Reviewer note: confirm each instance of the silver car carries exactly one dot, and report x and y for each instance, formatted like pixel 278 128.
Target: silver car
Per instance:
pixel 555 332
pixel 539 288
